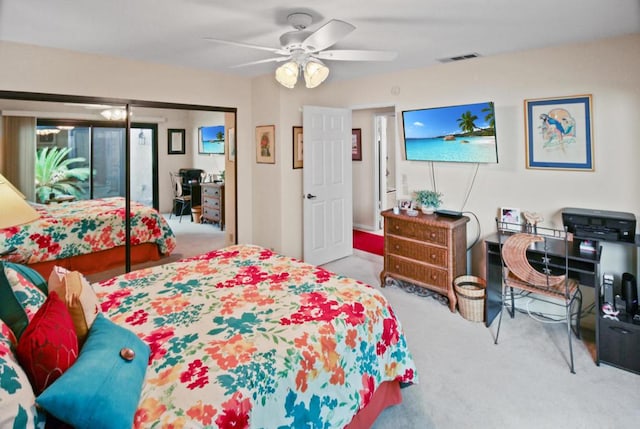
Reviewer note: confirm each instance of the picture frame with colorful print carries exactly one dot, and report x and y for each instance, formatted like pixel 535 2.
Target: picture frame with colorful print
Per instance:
pixel 297 147
pixel 265 144
pixel 558 133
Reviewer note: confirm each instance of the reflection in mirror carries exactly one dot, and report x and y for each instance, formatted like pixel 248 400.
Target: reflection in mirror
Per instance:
pixel 73 155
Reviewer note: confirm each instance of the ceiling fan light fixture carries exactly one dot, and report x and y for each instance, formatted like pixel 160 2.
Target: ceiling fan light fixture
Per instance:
pixel 315 72
pixel 114 114
pixel 287 74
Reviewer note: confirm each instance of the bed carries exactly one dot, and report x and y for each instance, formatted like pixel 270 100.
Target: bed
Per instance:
pixel 88 236
pixel 243 337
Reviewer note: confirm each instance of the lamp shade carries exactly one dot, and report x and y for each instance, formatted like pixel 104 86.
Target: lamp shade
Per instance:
pixel 15 210
pixel 287 74
pixel 315 73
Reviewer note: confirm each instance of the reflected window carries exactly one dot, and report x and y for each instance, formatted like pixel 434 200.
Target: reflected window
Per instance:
pixel 88 161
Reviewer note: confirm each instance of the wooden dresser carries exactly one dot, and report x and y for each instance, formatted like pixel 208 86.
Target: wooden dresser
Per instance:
pixel 213 203
pixel 425 250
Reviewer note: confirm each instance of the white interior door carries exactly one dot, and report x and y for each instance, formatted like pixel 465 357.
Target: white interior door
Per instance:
pixel 327 184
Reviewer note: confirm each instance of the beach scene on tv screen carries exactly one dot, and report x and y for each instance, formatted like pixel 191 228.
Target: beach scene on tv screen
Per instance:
pixel 464 133
pixel 212 139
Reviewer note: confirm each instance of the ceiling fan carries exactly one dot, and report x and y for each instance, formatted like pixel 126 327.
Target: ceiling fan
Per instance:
pixel 304 50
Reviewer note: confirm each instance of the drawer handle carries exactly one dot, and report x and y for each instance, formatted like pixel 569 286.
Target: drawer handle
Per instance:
pixel 433 235
pixel 397 267
pixel 434 276
pixel 620 330
pixel 397 247
pixel 397 227
pixel 433 256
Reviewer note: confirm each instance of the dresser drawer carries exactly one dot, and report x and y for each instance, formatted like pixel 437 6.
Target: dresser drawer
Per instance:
pixel 211 203
pixel 211 213
pixel 211 191
pixel 417 251
pixel 435 278
pixel 417 231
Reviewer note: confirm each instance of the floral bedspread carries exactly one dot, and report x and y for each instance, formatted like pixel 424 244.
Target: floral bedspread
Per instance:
pixel 83 227
pixel 243 337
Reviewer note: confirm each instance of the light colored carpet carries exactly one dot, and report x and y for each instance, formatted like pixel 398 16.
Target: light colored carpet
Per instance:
pixel 523 382
pixel 465 381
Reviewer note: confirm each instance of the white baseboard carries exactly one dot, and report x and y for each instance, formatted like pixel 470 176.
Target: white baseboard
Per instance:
pixel 364 227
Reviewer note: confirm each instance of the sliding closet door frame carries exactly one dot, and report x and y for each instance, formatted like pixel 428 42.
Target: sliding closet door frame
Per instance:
pixel 129 104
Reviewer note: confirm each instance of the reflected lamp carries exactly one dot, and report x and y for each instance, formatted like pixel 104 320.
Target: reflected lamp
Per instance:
pixel 15 210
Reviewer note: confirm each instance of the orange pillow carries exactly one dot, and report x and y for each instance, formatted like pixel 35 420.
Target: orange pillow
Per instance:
pixel 49 345
pixel 78 295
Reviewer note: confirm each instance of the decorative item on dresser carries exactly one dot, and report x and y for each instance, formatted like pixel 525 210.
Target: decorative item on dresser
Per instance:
pixel 427 251
pixel 213 203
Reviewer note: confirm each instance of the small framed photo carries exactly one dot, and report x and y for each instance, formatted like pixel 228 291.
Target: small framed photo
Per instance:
pixel 356 144
pixel 405 204
pixel 297 147
pixel 510 219
pixel 266 144
pixel 558 133
pixel 176 145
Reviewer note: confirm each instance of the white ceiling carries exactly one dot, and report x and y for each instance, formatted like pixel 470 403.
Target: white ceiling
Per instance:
pixel 421 31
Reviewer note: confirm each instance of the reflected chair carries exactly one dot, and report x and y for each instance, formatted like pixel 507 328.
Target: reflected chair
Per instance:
pixel 536 265
pixel 184 201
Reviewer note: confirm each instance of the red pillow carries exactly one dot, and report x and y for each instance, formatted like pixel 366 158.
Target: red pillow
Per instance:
pixel 49 344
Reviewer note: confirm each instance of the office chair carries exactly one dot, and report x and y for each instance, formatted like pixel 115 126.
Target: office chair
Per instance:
pixel 178 196
pixel 536 264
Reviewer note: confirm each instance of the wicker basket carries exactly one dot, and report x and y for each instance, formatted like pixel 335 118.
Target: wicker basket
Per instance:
pixel 470 291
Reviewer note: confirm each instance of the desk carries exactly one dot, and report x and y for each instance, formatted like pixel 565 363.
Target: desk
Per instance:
pixel 193 189
pixel 583 267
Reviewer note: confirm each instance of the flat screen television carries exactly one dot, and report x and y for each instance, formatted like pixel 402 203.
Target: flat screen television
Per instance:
pixel 464 133
pixel 211 139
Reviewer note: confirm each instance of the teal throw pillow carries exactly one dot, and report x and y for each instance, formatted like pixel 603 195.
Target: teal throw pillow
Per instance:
pixel 22 292
pixel 102 389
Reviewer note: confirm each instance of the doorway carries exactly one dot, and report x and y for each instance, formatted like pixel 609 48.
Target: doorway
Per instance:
pixel 385 173
pixel 374 177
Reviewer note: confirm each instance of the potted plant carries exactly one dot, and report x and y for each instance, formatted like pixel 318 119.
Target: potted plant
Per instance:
pixel 55 174
pixel 428 200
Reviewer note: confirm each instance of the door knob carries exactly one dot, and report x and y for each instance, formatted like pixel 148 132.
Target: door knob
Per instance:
pixel 309 196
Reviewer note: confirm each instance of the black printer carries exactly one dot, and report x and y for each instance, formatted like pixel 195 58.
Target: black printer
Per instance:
pixel 600 224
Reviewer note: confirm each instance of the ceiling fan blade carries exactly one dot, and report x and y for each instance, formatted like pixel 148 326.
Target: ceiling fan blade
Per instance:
pixel 327 35
pixel 248 45
pixel 356 55
pixel 268 60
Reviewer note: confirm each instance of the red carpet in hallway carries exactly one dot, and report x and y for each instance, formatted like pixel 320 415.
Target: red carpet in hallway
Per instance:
pixel 368 242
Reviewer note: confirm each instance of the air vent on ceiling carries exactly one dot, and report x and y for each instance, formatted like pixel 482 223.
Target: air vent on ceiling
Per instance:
pixel 460 57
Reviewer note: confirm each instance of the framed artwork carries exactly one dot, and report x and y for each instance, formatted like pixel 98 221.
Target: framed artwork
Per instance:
pixel 211 140
pixel 559 133
pixel 297 147
pixel 175 144
pixel 510 219
pixel 265 144
pixel 231 137
pixel 356 144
